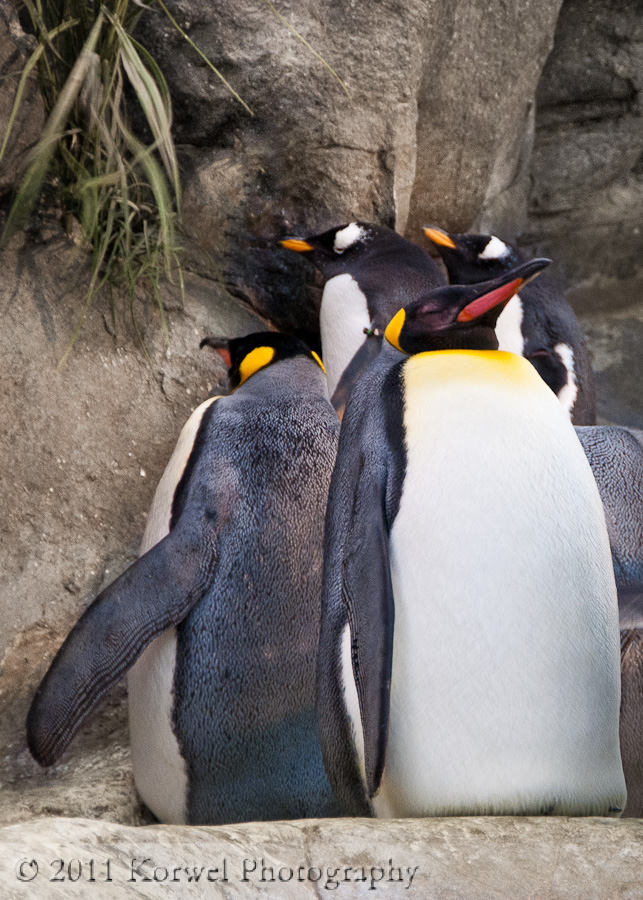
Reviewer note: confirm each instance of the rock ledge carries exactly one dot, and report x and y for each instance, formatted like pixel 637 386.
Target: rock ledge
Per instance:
pixel 469 858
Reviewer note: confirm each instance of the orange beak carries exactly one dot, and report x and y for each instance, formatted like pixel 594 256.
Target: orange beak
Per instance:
pixel 439 237
pixel 296 244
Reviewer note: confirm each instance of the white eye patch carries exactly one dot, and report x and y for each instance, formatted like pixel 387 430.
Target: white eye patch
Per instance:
pixel 495 249
pixel 347 237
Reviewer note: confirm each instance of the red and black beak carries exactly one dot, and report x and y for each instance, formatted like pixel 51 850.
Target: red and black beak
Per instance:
pixel 483 297
pixel 221 345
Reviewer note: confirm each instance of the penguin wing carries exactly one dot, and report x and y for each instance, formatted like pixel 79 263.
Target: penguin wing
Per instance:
pixel 615 455
pixel 369 351
pixel 630 606
pixel 157 591
pixel 367 594
pixel 356 640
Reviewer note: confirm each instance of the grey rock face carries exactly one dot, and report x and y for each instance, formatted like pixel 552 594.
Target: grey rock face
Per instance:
pixel 462 859
pixel 481 68
pixel 586 203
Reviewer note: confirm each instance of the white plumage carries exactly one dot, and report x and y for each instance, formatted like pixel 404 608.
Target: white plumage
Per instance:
pixel 505 684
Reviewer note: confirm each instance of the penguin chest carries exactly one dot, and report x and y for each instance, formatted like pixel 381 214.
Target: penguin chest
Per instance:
pixel 505 682
pixel 343 317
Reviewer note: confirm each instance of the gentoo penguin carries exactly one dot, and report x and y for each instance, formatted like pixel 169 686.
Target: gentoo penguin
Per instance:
pixel 222 713
pixel 370 272
pixel 539 324
pixel 469 650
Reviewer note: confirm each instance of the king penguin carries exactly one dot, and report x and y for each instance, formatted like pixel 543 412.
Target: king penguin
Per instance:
pixel 538 323
pixel 369 271
pixel 223 605
pixel 469 649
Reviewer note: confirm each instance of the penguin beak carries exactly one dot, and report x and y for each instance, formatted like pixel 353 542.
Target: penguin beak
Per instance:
pixel 297 244
pixel 492 293
pixel 439 237
pixel 221 346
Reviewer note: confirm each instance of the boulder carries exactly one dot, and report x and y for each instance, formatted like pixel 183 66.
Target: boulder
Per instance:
pixel 586 202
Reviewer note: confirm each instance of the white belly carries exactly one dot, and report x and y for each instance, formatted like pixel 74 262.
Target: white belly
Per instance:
pixel 509 327
pixel 159 769
pixel 505 685
pixel 342 319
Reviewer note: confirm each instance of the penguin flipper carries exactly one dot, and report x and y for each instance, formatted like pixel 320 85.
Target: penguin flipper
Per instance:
pixel 367 593
pixel 157 591
pixel 630 605
pixel 369 351
pixel 356 638
pixel 615 455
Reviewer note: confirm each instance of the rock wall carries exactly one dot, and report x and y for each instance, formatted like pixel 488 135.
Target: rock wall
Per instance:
pixel 586 197
pixel 15 49
pixel 82 451
pixel 586 200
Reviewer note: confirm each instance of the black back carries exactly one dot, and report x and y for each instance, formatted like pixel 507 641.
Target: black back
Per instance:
pixel 548 319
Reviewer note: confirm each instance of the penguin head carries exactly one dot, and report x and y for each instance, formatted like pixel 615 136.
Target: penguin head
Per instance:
pixel 344 247
pixel 458 317
pixel 247 355
pixel 472 258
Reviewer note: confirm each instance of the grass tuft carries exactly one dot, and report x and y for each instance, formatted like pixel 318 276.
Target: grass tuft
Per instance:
pixel 125 194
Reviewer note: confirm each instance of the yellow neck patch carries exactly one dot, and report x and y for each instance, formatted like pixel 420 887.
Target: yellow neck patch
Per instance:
pixel 394 328
pixel 255 360
pixel 315 356
pixel 474 366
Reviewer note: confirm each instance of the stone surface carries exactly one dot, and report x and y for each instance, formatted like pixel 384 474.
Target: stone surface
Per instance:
pixel 615 340
pixel 586 203
pixel 435 859
pixel 481 68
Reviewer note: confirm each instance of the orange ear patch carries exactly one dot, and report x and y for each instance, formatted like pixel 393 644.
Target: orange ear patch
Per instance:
pixel 394 329
pixel 255 360
pixel 318 359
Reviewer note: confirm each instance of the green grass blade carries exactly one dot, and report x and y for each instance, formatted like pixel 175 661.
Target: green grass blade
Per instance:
pixel 54 128
pixel 155 105
pixel 29 67
pixel 31 63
